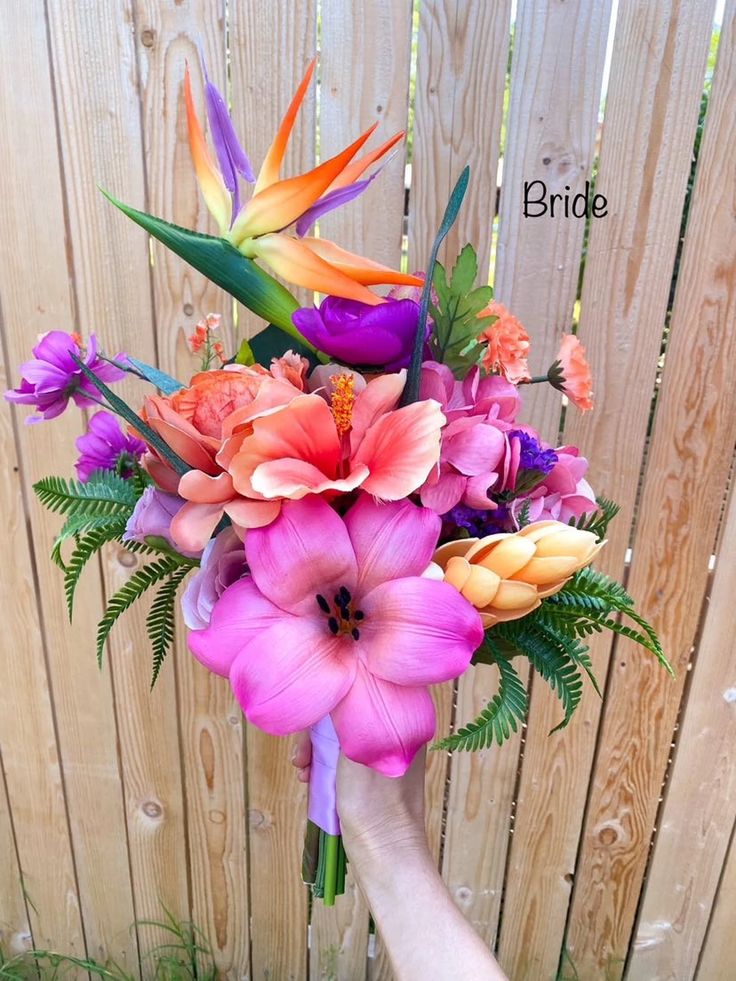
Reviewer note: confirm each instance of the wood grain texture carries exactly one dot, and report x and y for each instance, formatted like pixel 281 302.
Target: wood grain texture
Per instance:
pixel 338 937
pixel 211 722
pixel 461 66
pixel 263 83
pixel 651 106
pixel 84 712
pixel 95 66
pixel 678 518
pixel 270 48
pixel 699 809
pixel 716 959
pixel 355 92
pixel 15 930
pixel 556 72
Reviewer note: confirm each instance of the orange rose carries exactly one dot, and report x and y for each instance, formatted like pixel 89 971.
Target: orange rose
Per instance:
pixel 571 373
pixel 506 576
pixel 507 345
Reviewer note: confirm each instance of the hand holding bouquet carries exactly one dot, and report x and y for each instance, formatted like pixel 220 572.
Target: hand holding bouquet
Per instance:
pixel 350 502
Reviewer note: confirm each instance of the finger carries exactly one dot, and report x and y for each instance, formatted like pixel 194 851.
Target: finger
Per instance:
pixel 301 755
pixel 302 774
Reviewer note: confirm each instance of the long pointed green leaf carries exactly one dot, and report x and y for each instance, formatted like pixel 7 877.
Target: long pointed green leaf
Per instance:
pixel 163 382
pixel 221 263
pixel 124 410
pixel 411 390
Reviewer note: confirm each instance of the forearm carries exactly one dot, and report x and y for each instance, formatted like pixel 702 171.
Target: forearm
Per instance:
pixel 425 934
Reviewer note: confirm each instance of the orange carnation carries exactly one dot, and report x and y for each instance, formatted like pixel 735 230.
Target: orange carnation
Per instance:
pixel 571 373
pixel 507 345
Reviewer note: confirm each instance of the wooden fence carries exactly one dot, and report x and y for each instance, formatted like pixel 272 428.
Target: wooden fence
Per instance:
pixel 600 852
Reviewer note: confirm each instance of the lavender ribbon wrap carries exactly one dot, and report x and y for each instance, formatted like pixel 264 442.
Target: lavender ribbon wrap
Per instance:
pixel 322 809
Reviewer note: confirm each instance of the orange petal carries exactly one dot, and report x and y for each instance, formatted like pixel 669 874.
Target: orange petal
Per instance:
pixel 283 202
pixel 269 172
pixel 211 184
pixel 353 171
pixel 298 264
pixel 357 267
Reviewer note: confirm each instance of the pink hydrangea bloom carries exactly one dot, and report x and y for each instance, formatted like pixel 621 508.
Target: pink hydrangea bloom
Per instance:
pixel 336 619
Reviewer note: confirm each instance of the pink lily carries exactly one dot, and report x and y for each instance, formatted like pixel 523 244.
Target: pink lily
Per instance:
pixel 336 619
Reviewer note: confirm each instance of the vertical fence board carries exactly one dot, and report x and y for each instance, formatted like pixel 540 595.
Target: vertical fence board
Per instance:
pixel 556 73
pixel 34 303
pixel 716 960
pixel 15 930
pixel 678 517
pixel 263 83
pixel 95 67
pixel 210 719
pixel 700 805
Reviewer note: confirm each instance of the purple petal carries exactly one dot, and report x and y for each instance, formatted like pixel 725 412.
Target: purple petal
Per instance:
pixel 330 201
pixel 230 154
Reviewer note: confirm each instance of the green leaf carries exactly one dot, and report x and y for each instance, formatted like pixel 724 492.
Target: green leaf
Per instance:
pixel 133 589
pixel 221 263
pixel 457 324
pixel 124 410
pixel 245 355
pixel 77 524
pixel 104 493
pixel 598 521
pixel 86 547
pixel 411 389
pixel 554 665
pixel 163 382
pixel 272 343
pixel 464 271
pixel 160 620
pixel 497 720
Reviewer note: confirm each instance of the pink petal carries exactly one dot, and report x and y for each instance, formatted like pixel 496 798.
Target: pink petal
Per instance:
pixel 475 450
pixel 292 674
pixel 383 725
pixel 251 514
pixel 390 540
pixel 418 631
pixel 205 489
pixel 380 396
pixel 297 478
pixel 193 524
pixel 476 491
pixel 401 449
pixel 240 614
pixel 306 551
pixel 445 493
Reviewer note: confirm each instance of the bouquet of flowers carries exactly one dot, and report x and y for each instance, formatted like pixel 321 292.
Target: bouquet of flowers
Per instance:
pixel 349 500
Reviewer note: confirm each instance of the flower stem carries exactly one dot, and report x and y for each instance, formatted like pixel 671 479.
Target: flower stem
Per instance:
pixel 331 843
pixel 535 380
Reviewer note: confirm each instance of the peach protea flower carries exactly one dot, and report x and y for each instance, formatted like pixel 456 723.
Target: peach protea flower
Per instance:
pixel 571 375
pixel 506 576
pixel 507 345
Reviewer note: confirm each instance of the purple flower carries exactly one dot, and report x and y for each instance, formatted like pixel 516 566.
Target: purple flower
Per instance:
pixel 359 333
pixel 106 447
pixel 152 518
pixel 223 563
pixel 534 461
pixel 52 378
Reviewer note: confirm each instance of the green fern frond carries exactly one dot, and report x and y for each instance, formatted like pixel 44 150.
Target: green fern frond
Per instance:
pixel 78 524
pixel 554 665
pixel 106 493
pixel 133 589
pixel 599 520
pixel 85 548
pixel 569 643
pixel 160 620
pixel 497 720
pixel 594 590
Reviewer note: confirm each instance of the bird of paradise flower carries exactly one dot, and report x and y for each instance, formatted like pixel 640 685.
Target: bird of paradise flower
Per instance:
pixel 272 226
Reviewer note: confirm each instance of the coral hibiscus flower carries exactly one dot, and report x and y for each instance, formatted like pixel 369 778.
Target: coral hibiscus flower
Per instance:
pixel 336 619
pixel 316 445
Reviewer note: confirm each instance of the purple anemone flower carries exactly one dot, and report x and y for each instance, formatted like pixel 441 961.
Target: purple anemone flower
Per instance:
pixel 52 377
pixel 361 334
pixel 106 447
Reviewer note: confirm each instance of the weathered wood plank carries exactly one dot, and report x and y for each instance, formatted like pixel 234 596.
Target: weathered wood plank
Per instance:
pixel 678 517
pixel 36 297
pixel 699 810
pixel 263 83
pixel 626 283
pixel 210 719
pixel 15 930
pixel 95 64
pixel 716 960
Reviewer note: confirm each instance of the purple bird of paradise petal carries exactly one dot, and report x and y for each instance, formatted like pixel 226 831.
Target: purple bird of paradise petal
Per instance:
pixel 330 201
pixel 231 156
